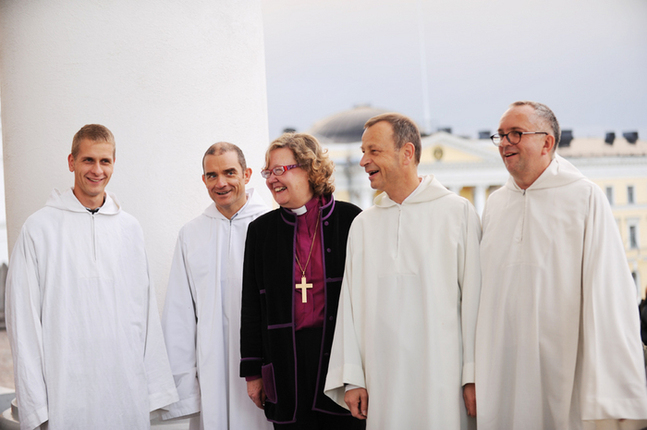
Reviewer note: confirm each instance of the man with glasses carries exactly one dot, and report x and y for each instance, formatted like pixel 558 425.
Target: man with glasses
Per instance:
pixel 201 318
pixel 557 343
pixel 294 263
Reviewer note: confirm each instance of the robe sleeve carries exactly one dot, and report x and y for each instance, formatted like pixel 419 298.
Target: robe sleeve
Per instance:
pixel 611 360
pixel 23 314
pixel 346 365
pixel 179 322
pixel 161 389
pixel 469 281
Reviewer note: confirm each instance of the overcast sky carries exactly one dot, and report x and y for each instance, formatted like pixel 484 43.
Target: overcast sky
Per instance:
pixel 587 60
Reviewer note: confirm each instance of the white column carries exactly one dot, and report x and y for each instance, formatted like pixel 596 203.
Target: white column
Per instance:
pixel 479 198
pixel 367 195
pixel 454 189
pixel 167 77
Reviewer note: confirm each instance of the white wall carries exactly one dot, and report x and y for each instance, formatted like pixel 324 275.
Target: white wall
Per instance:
pixel 167 77
pixel 4 248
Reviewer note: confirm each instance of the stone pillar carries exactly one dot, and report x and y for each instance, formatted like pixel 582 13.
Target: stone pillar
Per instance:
pixel 367 195
pixel 454 189
pixel 167 77
pixel 479 198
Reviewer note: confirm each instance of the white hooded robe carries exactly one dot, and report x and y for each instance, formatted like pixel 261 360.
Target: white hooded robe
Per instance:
pixel 407 310
pixel 201 321
pixel 558 339
pixel 82 319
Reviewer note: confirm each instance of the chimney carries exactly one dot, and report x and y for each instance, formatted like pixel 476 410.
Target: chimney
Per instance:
pixel 609 138
pixel 631 136
pixel 445 129
pixel 484 134
pixel 567 136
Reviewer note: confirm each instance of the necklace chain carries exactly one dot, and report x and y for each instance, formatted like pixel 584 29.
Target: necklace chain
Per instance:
pixel 303 269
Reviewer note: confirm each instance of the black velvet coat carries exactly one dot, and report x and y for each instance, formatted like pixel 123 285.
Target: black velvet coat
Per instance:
pixel 267 320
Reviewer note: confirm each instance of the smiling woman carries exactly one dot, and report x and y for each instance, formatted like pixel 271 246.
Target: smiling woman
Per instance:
pixel 291 189
pixel 294 262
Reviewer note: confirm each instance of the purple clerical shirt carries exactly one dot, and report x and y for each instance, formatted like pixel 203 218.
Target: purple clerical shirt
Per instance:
pixel 310 314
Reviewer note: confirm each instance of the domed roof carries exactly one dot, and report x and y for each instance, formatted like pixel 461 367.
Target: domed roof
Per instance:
pixel 344 127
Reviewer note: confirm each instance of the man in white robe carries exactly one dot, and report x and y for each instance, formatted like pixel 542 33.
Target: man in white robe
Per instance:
pixel 82 319
pixel 403 351
pixel 558 343
pixel 201 317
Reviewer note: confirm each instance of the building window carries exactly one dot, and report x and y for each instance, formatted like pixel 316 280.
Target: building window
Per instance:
pixel 633 236
pixel 609 193
pixel 630 194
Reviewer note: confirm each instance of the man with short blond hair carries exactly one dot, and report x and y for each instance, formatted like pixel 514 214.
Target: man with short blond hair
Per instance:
pixel 201 316
pixel 82 319
pixel 558 342
pixel 403 351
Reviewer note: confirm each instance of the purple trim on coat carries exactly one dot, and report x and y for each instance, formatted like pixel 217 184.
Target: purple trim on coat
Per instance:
pixel 269 382
pixel 296 379
pixel 294 336
pixel 262 291
pixel 325 322
pixel 341 414
pixel 329 207
pixel 294 420
pixel 334 279
pixel 273 326
pixel 330 204
pixel 251 359
pixel 286 220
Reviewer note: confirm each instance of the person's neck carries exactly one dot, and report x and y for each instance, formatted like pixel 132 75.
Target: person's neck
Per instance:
pixel 296 205
pixel 524 185
pixel 229 213
pixel 527 180
pixel 90 202
pixel 405 188
pixel 311 204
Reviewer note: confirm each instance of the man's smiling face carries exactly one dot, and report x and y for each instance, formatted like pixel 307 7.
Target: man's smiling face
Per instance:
pixel 92 167
pixel 526 160
pixel 225 181
pixel 381 160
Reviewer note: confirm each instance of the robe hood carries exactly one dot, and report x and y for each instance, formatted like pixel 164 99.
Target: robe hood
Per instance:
pixel 559 172
pixel 251 209
pixel 67 201
pixel 429 189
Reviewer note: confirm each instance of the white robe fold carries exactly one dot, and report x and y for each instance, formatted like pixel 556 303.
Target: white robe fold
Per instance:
pixel 83 322
pixel 201 321
pixel 558 343
pixel 407 310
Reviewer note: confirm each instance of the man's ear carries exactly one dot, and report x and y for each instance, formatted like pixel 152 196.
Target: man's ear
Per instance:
pixel 70 162
pixel 549 144
pixel 247 174
pixel 409 153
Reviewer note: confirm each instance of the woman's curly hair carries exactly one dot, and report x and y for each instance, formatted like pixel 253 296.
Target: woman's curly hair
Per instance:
pixel 311 157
